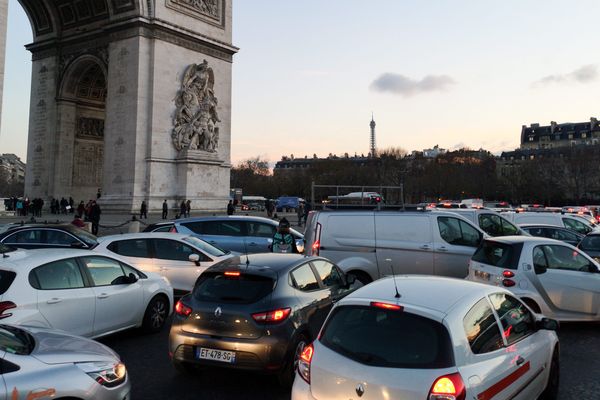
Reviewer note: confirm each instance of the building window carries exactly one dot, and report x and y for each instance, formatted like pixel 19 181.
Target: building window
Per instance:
pixel 570 136
pixel 583 135
pixel 531 138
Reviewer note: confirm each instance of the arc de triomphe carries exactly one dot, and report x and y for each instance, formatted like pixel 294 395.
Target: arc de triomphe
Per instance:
pixel 132 97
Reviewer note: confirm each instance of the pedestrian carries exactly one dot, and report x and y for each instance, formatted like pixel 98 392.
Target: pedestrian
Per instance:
pixel 95 217
pixel 230 208
pixel 182 209
pixel 144 210
pixel 300 212
pixel 270 209
pixel 78 222
pixel 165 209
pixel 71 205
pixel 81 209
pixel 188 208
pixel 283 240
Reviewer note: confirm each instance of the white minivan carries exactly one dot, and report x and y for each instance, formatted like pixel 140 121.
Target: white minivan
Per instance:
pixel 368 244
pixel 567 220
pixel 490 221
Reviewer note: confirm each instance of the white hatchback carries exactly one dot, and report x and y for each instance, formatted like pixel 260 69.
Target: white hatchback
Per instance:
pixel 178 257
pixel 81 292
pixel 434 338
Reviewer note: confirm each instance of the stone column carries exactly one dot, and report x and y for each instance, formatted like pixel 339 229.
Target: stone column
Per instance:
pixel 3 25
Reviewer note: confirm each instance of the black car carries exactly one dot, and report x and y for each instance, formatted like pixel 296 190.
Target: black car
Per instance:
pixel 41 236
pixel 590 244
pixel 255 313
pixel 553 232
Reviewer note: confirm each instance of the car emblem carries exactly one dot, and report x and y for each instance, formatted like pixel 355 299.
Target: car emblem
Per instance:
pixel 218 312
pixel 360 390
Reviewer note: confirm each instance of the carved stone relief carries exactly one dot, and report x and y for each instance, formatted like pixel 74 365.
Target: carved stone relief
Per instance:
pixel 210 10
pixel 91 128
pixel 66 59
pixel 196 116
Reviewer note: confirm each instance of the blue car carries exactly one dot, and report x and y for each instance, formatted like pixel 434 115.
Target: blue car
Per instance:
pixel 287 204
pixel 241 234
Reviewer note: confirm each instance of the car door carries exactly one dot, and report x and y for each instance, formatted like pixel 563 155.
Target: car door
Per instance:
pixel 172 257
pixel 455 242
pixel 228 234
pixel 119 303
pixel 567 279
pixel 137 252
pixel 314 299
pixel 332 278
pixel 25 239
pixel 259 236
pixel 64 297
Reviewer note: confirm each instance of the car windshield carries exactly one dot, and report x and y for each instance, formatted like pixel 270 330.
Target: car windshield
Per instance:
pixel 84 236
pixel 590 243
pixel 15 341
pixel 218 287
pixel 206 247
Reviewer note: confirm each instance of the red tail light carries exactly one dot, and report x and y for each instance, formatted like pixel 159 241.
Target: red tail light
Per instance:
pixel 316 247
pixel 304 362
pixel 448 387
pixel 173 229
pixel 272 317
pixel 232 273
pixel 508 274
pixel 508 282
pixel 387 306
pixel 6 305
pixel 182 309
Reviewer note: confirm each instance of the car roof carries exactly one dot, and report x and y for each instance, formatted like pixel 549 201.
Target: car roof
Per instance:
pixel 26 260
pixel 544 226
pixel 226 217
pixel 260 261
pixel 143 235
pixel 417 290
pixel 523 239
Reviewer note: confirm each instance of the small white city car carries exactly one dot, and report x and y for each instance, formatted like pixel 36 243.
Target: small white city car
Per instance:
pixel 178 257
pixel 80 292
pixel 39 363
pixel 431 338
pixel 551 276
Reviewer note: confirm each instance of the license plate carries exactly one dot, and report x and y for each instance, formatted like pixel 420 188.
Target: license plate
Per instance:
pixel 202 353
pixel 482 275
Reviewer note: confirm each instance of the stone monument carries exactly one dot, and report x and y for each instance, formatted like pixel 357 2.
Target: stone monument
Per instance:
pixel 131 100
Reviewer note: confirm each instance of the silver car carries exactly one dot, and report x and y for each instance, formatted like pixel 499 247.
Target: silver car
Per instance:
pixel 39 363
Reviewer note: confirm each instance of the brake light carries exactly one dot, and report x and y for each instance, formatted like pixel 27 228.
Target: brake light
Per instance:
pixel 387 306
pixel 232 273
pixel 173 229
pixel 6 305
pixel 508 274
pixel 448 387
pixel 508 282
pixel 316 246
pixel 272 317
pixel 304 362
pixel 182 309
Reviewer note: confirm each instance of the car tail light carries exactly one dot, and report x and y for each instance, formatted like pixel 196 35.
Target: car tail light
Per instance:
pixel 316 246
pixel 272 317
pixel 182 309
pixel 448 387
pixel 387 306
pixel 304 362
pixel 232 273
pixel 173 229
pixel 508 274
pixel 6 305
pixel 508 282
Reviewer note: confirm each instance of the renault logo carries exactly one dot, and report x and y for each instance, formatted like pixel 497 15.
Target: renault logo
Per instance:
pixel 218 312
pixel 360 390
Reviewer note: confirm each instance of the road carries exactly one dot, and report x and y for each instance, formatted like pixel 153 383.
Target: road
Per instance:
pixel 153 377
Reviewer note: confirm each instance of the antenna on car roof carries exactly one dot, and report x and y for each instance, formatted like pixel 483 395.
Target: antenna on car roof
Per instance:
pixel 397 295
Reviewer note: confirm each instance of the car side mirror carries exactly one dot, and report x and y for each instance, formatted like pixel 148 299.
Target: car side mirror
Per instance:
pixel 195 258
pixel 350 280
pixel 76 245
pixel 539 269
pixel 547 324
pixel 131 278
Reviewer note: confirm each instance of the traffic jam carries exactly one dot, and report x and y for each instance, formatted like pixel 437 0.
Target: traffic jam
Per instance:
pixel 440 302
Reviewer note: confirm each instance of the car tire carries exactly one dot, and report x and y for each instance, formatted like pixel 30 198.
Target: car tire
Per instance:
pixel 287 374
pixel 551 390
pixel 156 314
pixel 361 277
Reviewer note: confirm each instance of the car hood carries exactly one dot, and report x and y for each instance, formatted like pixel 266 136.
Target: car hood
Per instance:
pixel 58 347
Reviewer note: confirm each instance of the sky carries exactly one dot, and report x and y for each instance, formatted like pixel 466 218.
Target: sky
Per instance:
pixel 453 73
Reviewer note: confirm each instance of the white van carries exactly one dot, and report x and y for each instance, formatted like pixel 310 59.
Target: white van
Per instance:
pixel 567 220
pixel 490 222
pixel 368 244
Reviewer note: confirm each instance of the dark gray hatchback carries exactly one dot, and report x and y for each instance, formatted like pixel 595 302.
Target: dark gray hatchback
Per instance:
pixel 256 313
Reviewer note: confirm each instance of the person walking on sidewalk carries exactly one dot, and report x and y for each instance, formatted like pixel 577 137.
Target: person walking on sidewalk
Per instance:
pixel 144 210
pixel 95 217
pixel 165 209
pixel 230 208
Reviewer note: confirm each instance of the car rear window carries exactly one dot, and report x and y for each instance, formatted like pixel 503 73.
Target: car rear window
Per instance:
pixel 590 243
pixel 6 279
pixel 242 289
pixel 501 255
pixel 388 338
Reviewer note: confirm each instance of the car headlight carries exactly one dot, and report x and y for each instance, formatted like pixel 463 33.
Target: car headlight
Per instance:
pixel 105 373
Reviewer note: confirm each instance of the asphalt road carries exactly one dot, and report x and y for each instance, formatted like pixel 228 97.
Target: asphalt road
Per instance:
pixel 153 377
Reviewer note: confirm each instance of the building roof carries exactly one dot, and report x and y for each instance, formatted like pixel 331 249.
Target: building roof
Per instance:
pixel 555 131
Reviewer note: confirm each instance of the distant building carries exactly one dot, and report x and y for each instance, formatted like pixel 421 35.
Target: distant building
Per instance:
pixel 14 167
pixel 289 162
pixel 560 135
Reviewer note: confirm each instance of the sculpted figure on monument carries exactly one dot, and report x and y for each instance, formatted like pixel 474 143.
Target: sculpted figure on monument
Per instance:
pixel 196 116
pixel 209 7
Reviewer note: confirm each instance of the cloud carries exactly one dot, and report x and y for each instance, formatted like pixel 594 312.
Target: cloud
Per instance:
pixel 404 86
pixel 585 74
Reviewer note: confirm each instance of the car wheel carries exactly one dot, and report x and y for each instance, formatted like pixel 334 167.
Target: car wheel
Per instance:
pixel 156 314
pixel 287 374
pixel 362 278
pixel 551 391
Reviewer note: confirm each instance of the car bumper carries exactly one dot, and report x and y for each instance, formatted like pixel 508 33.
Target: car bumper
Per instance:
pixel 301 390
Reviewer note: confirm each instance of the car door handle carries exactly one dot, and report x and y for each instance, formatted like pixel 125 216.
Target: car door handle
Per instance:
pixel 520 360
pixel 252 244
pixel 103 296
pixel 425 247
pixel 442 249
pixel 54 300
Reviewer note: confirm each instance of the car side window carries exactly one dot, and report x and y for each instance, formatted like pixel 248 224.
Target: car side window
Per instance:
pixel 576 226
pixel 198 227
pixel 565 235
pixel 63 274
pixel 481 328
pixel 516 320
pixel 508 228
pixel 539 258
pixel 457 232
pixel 260 230
pixel 565 258
pixel 329 274
pixel 167 249
pixel 104 271
pixel 165 228
pixel 25 236
pixel 131 248
pixel 223 228
pixel 304 279
pixel 490 224
pixel 61 238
